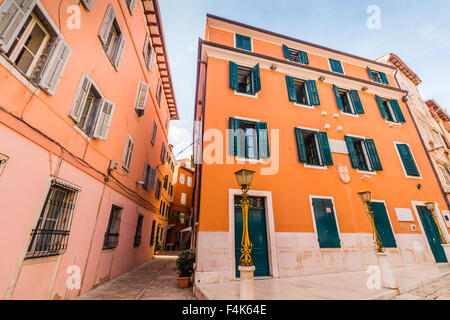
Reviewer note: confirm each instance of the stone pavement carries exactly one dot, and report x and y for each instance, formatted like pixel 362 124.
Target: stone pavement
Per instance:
pixel 437 290
pixel 154 280
pixel 338 286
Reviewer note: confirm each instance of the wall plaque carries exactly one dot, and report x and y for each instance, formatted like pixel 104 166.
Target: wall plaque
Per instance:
pixel 3 162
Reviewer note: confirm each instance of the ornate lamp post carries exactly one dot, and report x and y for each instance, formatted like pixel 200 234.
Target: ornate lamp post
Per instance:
pixel 366 198
pixel 432 207
pixel 246 269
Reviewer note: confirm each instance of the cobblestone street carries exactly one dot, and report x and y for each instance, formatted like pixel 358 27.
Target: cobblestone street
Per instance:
pixel 155 280
pixel 437 290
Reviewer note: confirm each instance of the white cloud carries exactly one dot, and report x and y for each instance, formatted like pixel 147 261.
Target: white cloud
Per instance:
pixel 180 136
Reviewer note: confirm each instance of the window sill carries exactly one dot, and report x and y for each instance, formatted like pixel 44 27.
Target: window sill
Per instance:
pixel 246 49
pixel 31 261
pixel 366 172
pixel 392 123
pixel 19 75
pixel 304 105
pixel 255 96
pixel 414 177
pixel 349 114
pixel 80 131
pixel 239 159
pixel 108 250
pixel 310 166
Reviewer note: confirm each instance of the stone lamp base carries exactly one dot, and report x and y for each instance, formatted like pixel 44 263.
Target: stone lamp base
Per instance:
pixel 247 282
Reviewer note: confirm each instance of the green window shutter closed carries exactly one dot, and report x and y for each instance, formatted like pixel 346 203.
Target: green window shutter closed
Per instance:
pixel 256 79
pixel 327 159
pixel 380 105
pixel 326 225
pixel 397 111
pixel 243 42
pixel 291 89
pixel 373 155
pixel 304 57
pixel 356 102
pixel 301 145
pixel 336 66
pixel 234 137
pixel 369 71
pixel 313 94
pixel 383 225
pixel 286 51
pixel 233 76
pixel 263 140
pixel 384 78
pixel 408 160
pixel 352 152
pixel 338 97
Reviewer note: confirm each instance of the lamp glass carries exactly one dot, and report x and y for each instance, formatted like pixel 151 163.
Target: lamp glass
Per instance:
pixel 366 196
pixel 429 205
pixel 244 177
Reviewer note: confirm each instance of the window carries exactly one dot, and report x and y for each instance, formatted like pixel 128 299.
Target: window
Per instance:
pixel 163 153
pixel 166 182
pixel 152 234
pixel 31 44
pixel 313 147
pixel 390 110
pixel 182 178
pixel 189 181
pixel 128 153
pixel 149 53
pixel 302 91
pixel 112 232
pixel 88 4
pixel 90 111
pixel 158 189
pixel 159 91
pixel 138 235
pixel 326 225
pixel 161 234
pixel 409 164
pixel 336 66
pixel 162 208
pixel 183 198
pixel 249 139
pixel 348 100
pixel 445 176
pixel 363 154
pixel 149 177
pixel 51 234
pixel 243 42
pixel 377 76
pixel 295 55
pixel 131 5
pixel 112 38
pixel 141 99
pixel 155 129
pixel 244 79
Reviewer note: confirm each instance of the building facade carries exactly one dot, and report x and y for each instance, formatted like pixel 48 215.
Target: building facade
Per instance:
pixel 317 126
pixel 85 107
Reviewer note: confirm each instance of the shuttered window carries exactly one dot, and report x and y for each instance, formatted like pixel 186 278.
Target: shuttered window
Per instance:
pixel 390 110
pixel 111 240
pixel 326 226
pixel 348 100
pixel 163 153
pixel 408 160
pixel 131 5
pixel 149 53
pixel 243 42
pixel 383 225
pixel 295 55
pixel 363 154
pixel 377 76
pixel 138 234
pixel 104 120
pixel 244 79
pixel 158 189
pixel 128 154
pixel 249 139
pixel 302 91
pixel 166 181
pixel 155 129
pixel 336 66
pixel 141 99
pixel 159 91
pixel 88 4
pixel 313 147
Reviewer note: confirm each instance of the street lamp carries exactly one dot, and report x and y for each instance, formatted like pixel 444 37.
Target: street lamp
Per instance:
pixel 366 198
pixel 244 178
pixel 432 207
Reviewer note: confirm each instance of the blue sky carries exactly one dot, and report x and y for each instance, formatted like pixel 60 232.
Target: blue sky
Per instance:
pixel 418 33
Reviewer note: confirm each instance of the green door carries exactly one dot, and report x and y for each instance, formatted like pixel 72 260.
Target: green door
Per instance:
pixel 432 232
pixel 326 226
pixel 257 232
pixel 383 225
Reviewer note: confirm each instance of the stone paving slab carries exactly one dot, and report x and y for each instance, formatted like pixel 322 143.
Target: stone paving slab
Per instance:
pixel 437 290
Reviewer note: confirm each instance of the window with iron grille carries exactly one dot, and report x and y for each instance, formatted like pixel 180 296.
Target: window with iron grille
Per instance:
pixel 112 232
pixel 138 235
pixel 152 234
pixel 51 234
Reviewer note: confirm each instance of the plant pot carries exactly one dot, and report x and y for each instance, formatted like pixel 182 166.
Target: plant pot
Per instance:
pixel 183 282
pixel 157 252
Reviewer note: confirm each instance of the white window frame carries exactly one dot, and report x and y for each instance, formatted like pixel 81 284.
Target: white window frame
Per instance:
pixel 350 101
pixel 182 178
pixel 342 65
pixel 366 155
pixel 127 158
pixel 311 166
pixel 235 44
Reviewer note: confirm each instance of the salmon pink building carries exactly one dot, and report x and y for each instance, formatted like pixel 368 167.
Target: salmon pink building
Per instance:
pixel 85 105
pixel 317 125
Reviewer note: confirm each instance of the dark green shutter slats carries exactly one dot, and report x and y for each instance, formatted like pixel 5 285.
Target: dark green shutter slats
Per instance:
pixel 338 97
pixel 408 161
pixel 291 89
pixel 263 140
pixel 383 78
pixel 243 42
pixel 286 51
pixel 383 225
pixel 304 57
pixel 233 76
pixel 352 152
pixel 373 155
pixel 336 66
pixel 397 111
pixel 380 105
pixel 256 79
pixel 327 159
pixel 234 137
pixel 301 146
pixel 356 102
pixel 369 71
pixel 326 225
pixel 313 94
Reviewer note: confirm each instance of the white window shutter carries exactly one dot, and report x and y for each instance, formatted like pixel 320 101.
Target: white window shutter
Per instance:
pixel 120 51
pixel 132 6
pixel 128 153
pixel 145 50
pixel 88 4
pixel 80 97
pixel 104 120
pixel 107 23
pixel 55 67
pixel 141 99
pixel 152 60
pixel 152 179
pixel 13 15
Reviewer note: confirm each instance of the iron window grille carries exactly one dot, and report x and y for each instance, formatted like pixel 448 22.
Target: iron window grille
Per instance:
pixel 138 235
pixel 51 234
pixel 112 233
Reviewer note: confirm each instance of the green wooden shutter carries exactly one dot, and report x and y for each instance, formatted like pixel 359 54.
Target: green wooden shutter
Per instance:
pixel 338 97
pixel 234 137
pixel 256 79
pixel 286 51
pixel 369 71
pixel 325 150
pixel 291 89
pixel 408 160
pixel 313 93
pixel 336 66
pixel 398 112
pixel 301 145
pixel 326 225
pixel 352 152
pixel 304 57
pixel 373 155
pixel 356 102
pixel 263 140
pixel 233 76
pixel 383 78
pixel 383 225
pixel 380 105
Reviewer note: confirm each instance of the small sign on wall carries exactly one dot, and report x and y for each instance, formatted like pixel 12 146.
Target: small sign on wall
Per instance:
pixel 404 214
pixel 3 162
pixel 446 215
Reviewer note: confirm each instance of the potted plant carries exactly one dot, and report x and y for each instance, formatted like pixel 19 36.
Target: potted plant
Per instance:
pixel 157 247
pixel 185 267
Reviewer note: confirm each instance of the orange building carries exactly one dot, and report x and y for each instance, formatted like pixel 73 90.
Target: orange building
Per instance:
pixel 317 125
pixel 85 105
